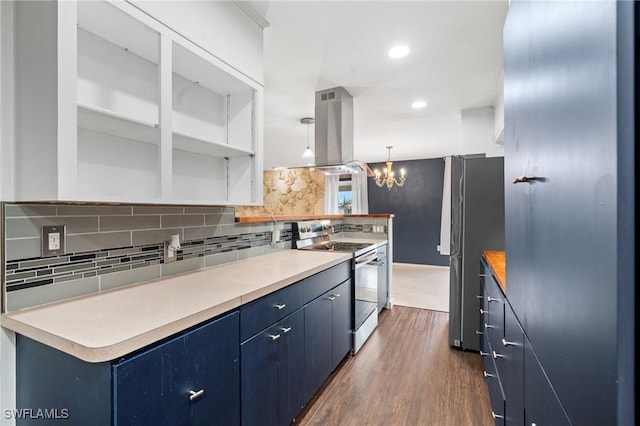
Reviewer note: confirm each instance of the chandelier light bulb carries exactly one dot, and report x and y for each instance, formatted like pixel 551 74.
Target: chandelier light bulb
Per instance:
pixel 389 179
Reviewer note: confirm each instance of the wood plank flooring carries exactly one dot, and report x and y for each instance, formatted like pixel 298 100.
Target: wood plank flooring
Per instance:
pixel 406 374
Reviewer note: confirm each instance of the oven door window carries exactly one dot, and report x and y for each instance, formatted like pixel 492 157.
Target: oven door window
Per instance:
pixel 366 288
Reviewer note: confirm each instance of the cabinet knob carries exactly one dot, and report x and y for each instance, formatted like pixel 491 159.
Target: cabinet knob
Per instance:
pixel 193 395
pixel 496 355
pixel 496 416
pixel 489 299
pixel 479 297
pixel 285 329
pixel 280 307
pixel 488 326
pixel 332 298
pixel 482 311
pixel 274 336
pixel 479 332
pixel 483 353
pixel 507 343
pixel 523 179
pixel 337 295
pixel 487 375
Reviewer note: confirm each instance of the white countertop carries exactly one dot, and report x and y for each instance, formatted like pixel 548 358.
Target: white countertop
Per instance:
pixel 108 325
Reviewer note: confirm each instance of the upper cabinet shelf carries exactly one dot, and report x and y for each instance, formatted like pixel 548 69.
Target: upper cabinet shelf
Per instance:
pixel 132 110
pixel 95 118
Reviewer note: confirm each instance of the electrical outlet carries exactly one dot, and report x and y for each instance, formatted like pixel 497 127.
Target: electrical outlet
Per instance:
pixel 53 240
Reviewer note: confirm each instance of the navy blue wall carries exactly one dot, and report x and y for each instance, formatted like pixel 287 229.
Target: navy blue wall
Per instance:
pixel 417 207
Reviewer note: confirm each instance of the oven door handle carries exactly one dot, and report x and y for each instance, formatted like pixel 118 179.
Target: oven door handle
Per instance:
pixel 361 261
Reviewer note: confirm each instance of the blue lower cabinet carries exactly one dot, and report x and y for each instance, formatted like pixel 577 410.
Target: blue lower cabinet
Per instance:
pixel 328 335
pixel 190 379
pixel 272 373
pixel 193 379
pixel 541 404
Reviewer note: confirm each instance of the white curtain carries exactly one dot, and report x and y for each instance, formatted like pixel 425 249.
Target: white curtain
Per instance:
pixel 359 194
pixel 445 220
pixel 331 189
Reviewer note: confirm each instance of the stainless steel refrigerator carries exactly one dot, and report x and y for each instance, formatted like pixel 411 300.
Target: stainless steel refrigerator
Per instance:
pixel 477 224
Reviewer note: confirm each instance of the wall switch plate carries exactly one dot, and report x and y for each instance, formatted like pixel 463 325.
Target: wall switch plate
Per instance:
pixel 53 240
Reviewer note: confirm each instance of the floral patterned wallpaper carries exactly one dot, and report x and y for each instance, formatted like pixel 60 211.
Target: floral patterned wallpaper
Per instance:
pixel 293 192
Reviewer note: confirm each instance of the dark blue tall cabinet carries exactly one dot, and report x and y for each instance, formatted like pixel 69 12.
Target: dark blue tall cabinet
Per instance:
pixel 569 76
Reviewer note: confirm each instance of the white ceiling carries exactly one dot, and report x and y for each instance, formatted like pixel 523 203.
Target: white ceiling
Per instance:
pixel 455 63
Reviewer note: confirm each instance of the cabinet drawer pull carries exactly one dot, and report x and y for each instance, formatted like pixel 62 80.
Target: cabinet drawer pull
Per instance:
pixel 488 326
pixel 337 295
pixel 280 307
pixel 496 416
pixel 483 275
pixel 332 298
pixel 483 353
pixel 193 395
pixel 479 332
pixel 489 299
pixel 523 179
pixel 508 343
pixel 274 336
pixel 496 355
pixel 479 297
pixel 487 375
pixel 285 329
pixel 482 311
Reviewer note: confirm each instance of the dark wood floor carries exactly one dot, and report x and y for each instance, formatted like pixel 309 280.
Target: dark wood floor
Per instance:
pixel 406 374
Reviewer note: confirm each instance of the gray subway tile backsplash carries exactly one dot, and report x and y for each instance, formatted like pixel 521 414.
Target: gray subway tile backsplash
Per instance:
pixel 110 246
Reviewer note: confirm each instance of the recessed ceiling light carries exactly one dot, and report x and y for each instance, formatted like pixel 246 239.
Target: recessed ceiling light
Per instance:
pixel 399 51
pixel 419 104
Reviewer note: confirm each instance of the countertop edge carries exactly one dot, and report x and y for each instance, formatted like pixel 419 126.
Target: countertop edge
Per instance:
pixel 294 218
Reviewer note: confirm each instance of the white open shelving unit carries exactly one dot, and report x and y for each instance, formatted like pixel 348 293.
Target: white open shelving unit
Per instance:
pixel 141 114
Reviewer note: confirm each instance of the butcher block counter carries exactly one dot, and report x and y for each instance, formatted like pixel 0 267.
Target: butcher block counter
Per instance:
pixel 108 325
pixel 496 261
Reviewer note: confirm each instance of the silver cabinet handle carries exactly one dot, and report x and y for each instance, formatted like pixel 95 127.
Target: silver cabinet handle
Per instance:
pixel 280 307
pixel 483 353
pixel 523 179
pixel 483 275
pixel 496 416
pixel 274 336
pixel 488 326
pixel 482 311
pixel 479 297
pixel 489 299
pixel 496 355
pixel 285 329
pixel 479 332
pixel 193 395
pixel 332 298
pixel 337 295
pixel 486 375
pixel 508 343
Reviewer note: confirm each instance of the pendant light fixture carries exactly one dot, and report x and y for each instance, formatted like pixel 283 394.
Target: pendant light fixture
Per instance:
pixel 308 155
pixel 387 178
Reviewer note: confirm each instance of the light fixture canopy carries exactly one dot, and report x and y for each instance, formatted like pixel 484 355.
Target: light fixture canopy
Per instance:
pixel 418 104
pixel 308 154
pixel 387 178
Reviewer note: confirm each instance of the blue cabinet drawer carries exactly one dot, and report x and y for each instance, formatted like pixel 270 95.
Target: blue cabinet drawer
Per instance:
pixel 324 281
pixel 262 313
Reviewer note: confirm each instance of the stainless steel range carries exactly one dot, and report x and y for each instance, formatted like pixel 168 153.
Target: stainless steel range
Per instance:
pixel 315 235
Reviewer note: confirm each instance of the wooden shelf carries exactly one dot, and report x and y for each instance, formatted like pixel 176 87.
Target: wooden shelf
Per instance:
pixel 102 120
pixel 197 145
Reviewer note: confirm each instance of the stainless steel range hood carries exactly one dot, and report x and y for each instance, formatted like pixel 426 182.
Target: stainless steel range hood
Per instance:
pixel 334 133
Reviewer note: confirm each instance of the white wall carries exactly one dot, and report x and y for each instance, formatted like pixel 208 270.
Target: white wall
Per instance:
pixel 478 132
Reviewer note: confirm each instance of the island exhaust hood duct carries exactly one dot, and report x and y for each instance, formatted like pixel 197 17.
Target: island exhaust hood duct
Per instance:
pixel 334 133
